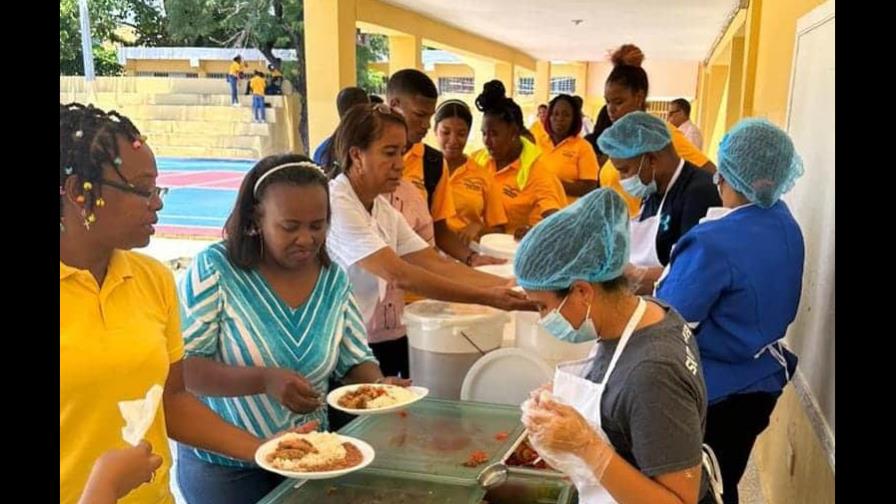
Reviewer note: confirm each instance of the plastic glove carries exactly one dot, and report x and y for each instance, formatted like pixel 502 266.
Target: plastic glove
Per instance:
pixel 558 431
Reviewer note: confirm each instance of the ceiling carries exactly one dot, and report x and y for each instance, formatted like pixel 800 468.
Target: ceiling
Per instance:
pixel 663 29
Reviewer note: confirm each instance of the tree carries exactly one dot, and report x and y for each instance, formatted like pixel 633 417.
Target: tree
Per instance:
pixel 371 48
pixel 263 24
pixel 103 22
pixel 106 17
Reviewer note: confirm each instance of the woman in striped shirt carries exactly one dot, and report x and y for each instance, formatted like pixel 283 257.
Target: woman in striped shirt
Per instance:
pixel 267 320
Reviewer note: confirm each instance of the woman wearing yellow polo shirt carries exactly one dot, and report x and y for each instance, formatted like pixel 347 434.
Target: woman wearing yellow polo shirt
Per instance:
pixel 477 197
pixel 530 191
pixel 119 328
pixel 565 152
pixel 233 77
pixel 626 91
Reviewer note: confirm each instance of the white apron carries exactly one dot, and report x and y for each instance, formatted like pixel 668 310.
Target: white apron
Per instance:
pixel 643 233
pixel 572 388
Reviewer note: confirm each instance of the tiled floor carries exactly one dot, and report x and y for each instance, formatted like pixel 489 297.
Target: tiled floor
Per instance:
pixel 750 490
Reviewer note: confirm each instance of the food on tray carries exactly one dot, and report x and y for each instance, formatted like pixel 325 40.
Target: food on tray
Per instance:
pixel 526 456
pixel 476 458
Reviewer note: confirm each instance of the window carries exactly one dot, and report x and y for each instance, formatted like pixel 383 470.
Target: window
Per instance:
pixel 565 85
pixel 462 85
pixel 181 75
pixel 658 108
pixel 525 86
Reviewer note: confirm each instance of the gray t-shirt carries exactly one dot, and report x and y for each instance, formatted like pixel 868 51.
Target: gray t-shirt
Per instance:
pixel 654 405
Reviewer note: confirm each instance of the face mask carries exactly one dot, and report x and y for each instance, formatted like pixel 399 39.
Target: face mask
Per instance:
pixel 557 326
pixel 635 187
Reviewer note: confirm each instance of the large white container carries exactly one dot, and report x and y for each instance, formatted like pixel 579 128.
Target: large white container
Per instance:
pixel 502 270
pixel 499 245
pixel 531 336
pixel 445 339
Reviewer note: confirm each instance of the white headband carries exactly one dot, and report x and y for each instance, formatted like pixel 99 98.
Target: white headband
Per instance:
pixel 306 164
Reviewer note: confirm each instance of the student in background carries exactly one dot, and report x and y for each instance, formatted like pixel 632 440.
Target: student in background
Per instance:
pixel 257 84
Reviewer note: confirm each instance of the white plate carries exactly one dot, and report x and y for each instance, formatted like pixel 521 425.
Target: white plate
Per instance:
pixel 505 376
pixel 334 395
pixel 263 451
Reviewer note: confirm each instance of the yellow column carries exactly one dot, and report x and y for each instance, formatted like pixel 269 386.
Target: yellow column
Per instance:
pixel 542 81
pixel 405 51
pixel 751 46
pixel 735 83
pixel 483 71
pixel 716 108
pixel 504 73
pixel 329 61
pixel 580 72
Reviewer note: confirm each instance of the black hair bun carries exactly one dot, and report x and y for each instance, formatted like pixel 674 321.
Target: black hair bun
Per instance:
pixel 493 96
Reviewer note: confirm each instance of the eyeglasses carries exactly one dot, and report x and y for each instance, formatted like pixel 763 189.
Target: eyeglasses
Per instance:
pixel 158 192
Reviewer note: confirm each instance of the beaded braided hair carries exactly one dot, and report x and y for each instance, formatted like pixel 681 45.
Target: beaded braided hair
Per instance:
pixel 88 141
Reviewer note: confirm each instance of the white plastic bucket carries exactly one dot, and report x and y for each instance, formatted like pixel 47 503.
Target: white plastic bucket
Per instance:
pixel 502 270
pixel 499 245
pixel 445 339
pixel 531 336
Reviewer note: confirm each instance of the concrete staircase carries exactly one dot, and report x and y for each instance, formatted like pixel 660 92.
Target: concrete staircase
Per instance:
pixel 192 117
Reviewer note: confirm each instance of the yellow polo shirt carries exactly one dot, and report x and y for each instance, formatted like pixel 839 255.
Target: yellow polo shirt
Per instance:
pixel 524 207
pixel 257 84
pixel 442 201
pixel 571 160
pixel 477 197
pixel 542 139
pixel 115 343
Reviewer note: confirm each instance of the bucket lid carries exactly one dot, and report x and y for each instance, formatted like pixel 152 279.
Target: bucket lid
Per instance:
pixel 429 311
pixel 499 242
pixel 516 370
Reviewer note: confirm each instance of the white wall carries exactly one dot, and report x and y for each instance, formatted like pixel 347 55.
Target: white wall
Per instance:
pixel 811 125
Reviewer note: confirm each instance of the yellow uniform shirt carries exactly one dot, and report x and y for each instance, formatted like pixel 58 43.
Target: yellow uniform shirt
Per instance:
pixel 573 159
pixel 541 135
pixel 257 84
pixel 234 69
pixel 442 201
pixel 524 207
pixel 609 175
pixel 115 343
pixel 477 197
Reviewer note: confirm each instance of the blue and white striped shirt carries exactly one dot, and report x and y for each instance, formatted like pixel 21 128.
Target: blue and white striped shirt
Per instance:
pixel 233 316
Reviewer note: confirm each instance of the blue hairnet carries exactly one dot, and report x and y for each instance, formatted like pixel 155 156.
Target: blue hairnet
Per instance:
pixel 633 135
pixel 588 240
pixel 759 161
